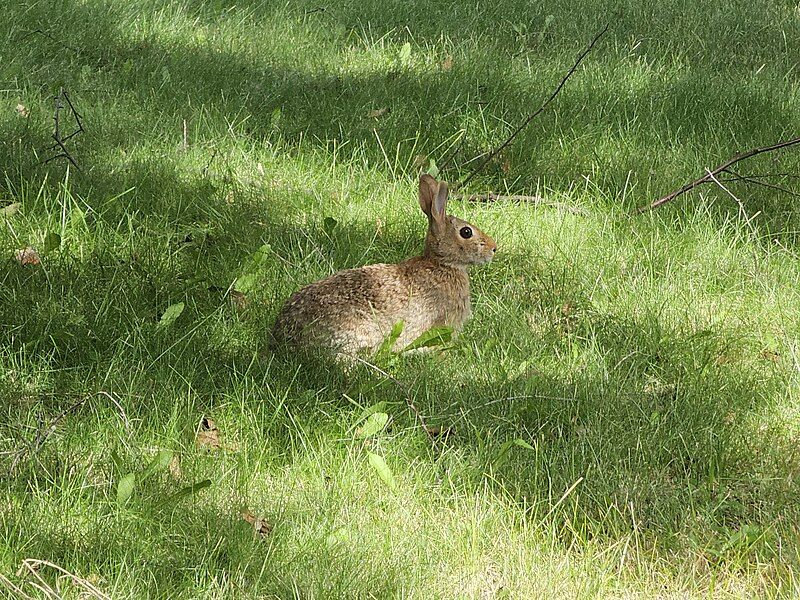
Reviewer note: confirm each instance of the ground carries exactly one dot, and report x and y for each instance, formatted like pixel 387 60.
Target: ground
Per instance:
pixel 620 417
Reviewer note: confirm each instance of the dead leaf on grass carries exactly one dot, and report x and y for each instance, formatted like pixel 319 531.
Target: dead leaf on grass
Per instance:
pixel 447 63
pixel 770 355
pixel 208 434
pixel 175 467
pixel 379 112
pixel 28 256
pixel 260 526
pixel 10 209
pixel 23 111
pixel 238 300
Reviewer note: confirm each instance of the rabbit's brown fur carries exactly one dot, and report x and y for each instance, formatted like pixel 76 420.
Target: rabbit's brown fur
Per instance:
pixel 356 309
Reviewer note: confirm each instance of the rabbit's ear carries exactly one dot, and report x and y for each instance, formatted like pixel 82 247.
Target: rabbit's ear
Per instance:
pixel 427 193
pixel 440 203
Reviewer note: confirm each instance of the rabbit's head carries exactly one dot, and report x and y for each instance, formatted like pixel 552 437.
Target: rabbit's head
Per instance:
pixel 450 241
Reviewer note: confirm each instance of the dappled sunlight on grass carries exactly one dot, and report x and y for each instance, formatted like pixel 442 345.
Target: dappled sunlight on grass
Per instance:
pixel 619 417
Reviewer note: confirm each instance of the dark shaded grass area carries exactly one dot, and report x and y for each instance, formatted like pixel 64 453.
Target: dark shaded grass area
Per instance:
pixel 670 91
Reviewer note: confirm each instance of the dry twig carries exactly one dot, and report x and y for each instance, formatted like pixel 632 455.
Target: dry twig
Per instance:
pixel 723 168
pixel 57 136
pixel 45 433
pixel 9 585
pixel 534 114
pixel 32 566
pixel 734 176
pixel 43 33
pixel 748 220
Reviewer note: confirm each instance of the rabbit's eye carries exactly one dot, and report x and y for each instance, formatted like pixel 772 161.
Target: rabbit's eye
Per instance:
pixel 465 233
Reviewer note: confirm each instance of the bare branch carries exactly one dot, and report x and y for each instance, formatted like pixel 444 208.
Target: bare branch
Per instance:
pixel 742 210
pixel 90 590
pixel 208 164
pixel 13 588
pixel 74 111
pixel 455 151
pixel 748 220
pixel 52 38
pixel 757 181
pixel 45 433
pixel 771 175
pixel 717 170
pixel 59 139
pixel 534 114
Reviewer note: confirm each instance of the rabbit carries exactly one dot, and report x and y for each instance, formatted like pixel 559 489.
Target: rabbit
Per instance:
pixel 355 310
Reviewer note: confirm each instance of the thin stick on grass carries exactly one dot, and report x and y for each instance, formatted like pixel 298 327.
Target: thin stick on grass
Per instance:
pixel 59 139
pixel 538 111
pixel 45 433
pixel 734 176
pixel 43 33
pixel 742 210
pixel 406 393
pixel 771 175
pixel 33 564
pixel 748 221
pixel 455 151
pixel 12 587
pixel 210 160
pixel 710 174
pixel 75 114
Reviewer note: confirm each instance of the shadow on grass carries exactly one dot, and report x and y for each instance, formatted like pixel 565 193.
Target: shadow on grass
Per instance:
pixel 148 85
pixel 661 426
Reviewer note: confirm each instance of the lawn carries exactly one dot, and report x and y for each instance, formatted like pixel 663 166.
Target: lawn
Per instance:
pixel 619 418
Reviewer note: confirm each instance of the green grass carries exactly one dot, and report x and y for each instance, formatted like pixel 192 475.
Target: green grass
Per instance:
pixel 624 405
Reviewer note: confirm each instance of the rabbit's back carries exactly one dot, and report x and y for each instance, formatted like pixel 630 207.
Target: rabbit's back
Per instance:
pixel 356 309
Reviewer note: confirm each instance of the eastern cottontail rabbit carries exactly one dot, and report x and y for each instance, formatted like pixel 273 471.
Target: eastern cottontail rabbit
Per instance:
pixel 356 309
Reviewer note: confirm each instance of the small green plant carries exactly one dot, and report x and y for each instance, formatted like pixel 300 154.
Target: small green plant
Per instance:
pixel 133 480
pixel 249 276
pixel 171 315
pixel 128 482
pixel 378 463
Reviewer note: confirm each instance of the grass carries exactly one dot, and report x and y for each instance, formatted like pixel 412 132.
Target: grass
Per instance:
pixel 624 405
